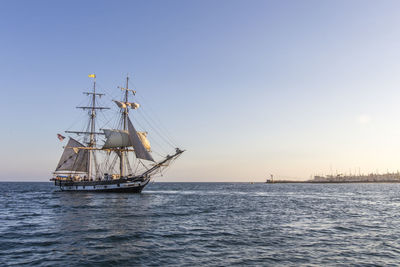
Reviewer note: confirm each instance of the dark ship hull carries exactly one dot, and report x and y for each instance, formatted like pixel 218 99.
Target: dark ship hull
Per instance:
pixel 124 185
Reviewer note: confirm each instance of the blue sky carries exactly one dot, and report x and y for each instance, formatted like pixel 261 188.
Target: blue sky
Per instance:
pixel 249 88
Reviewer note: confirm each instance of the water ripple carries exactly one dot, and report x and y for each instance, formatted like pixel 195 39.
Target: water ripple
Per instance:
pixel 201 224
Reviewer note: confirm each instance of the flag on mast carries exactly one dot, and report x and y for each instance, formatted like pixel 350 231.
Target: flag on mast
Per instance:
pixel 92 75
pixel 60 137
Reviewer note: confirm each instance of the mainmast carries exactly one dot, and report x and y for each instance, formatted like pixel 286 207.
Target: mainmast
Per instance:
pixel 92 142
pixel 126 110
pixel 125 127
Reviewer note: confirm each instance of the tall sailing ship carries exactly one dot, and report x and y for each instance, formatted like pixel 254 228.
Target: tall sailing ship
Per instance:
pixel 109 160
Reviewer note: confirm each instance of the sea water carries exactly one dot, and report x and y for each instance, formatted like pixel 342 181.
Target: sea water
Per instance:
pixel 201 224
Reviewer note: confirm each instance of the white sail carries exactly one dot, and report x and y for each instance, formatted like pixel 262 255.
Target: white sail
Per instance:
pixel 120 138
pixel 73 159
pixel 116 138
pixel 140 150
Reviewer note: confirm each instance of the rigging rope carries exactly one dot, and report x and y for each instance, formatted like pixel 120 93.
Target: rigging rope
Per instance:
pixel 161 125
pixel 153 140
pixel 157 131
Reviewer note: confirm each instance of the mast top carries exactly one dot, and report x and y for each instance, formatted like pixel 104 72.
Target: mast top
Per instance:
pixel 92 107
pixel 127 88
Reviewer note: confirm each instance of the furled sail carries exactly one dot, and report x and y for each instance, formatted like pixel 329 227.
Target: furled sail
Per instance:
pixel 120 104
pixel 132 105
pixel 140 150
pixel 73 159
pixel 116 138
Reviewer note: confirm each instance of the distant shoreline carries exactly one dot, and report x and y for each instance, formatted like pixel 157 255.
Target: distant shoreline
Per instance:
pixel 333 182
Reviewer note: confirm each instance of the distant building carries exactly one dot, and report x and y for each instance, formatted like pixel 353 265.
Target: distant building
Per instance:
pixel 372 177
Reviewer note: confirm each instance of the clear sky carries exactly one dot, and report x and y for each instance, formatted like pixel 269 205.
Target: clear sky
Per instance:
pixel 249 88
